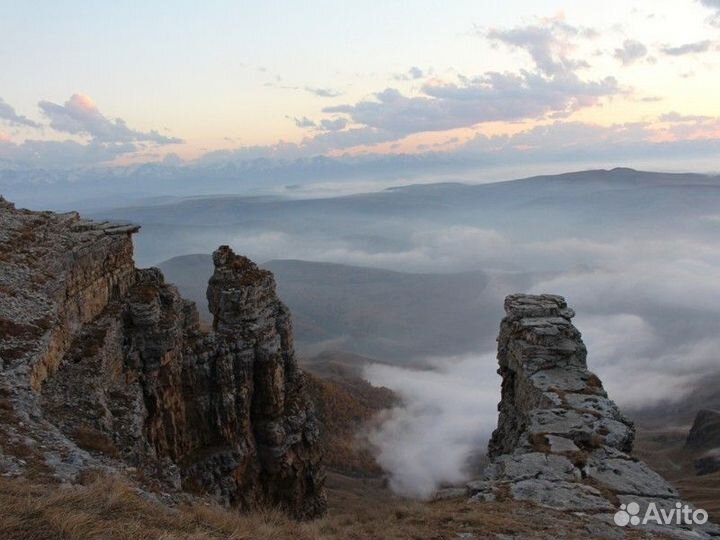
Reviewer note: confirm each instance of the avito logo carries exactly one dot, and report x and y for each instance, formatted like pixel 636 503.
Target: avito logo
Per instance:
pixel 681 514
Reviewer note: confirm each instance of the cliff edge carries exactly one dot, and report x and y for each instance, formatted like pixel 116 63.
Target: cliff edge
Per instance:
pixel 105 366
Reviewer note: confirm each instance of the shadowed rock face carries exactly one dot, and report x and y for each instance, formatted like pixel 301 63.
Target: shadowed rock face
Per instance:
pixel 560 441
pixel 254 333
pixel 705 431
pixel 704 437
pixel 105 366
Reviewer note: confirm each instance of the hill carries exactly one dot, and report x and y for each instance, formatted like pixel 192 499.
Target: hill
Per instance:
pixel 594 204
pixel 397 316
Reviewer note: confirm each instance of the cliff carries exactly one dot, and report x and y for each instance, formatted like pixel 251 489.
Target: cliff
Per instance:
pixel 106 366
pixel 560 441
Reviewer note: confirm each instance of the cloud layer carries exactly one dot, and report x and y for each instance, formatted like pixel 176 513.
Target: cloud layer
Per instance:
pixel 105 138
pixel 552 88
pixel 548 71
pixel 8 114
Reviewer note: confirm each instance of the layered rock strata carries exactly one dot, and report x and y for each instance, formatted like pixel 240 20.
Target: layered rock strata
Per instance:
pixel 560 441
pixel 106 366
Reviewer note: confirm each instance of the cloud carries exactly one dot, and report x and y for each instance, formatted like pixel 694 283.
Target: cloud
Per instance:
pixel 584 142
pixel 326 124
pixel 675 116
pixel 8 114
pixel 107 139
pixel 304 122
pixel 80 116
pixel 715 6
pixel 411 74
pixel 61 154
pixel 553 88
pixel 447 415
pixel 631 52
pixel 640 368
pixel 548 43
pixel 687 48
pixel 349 138
pixel 335 124
pixel 323 92
pixel 674 137
pixel 488 98
pixel 691 127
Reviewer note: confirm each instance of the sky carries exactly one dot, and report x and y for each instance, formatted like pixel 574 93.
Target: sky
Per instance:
pixel 131 82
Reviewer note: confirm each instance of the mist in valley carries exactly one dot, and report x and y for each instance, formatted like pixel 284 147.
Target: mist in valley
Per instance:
pixel 415 278
pixel 412 279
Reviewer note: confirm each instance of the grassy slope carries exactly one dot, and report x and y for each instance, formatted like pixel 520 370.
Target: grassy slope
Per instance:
pixel 664 450
pixel 109 509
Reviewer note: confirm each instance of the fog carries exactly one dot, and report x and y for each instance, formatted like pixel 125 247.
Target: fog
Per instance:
pixel 648 312
pixel 636 255
pixel 448 414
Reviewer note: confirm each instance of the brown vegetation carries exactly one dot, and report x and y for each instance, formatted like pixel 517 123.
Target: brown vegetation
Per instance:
pixel 107 508
pixel 346 407
pixel 664 450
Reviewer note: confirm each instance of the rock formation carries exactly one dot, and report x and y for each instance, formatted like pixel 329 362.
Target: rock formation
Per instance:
pixel 705 431
pixel 704 437
pixel 560 441
pixel 106 366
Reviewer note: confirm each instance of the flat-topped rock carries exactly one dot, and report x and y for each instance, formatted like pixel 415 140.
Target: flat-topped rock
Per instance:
pixel 525 306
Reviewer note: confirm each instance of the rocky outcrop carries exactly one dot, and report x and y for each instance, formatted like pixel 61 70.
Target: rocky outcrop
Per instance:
pixel 704 437
pixel 705 431
pixel 106 366
pixel 560 441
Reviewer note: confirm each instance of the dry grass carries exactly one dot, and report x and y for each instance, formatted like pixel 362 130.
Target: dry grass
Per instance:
pixel 703 491
pixel 540 442
pixel 664 450
pixel 109 509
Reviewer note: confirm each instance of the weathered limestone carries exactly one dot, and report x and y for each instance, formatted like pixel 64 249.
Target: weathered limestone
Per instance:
pixel 106 366
pixel 560 441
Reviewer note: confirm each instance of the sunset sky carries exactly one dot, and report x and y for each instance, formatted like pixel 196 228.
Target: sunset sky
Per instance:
pixel 87 83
